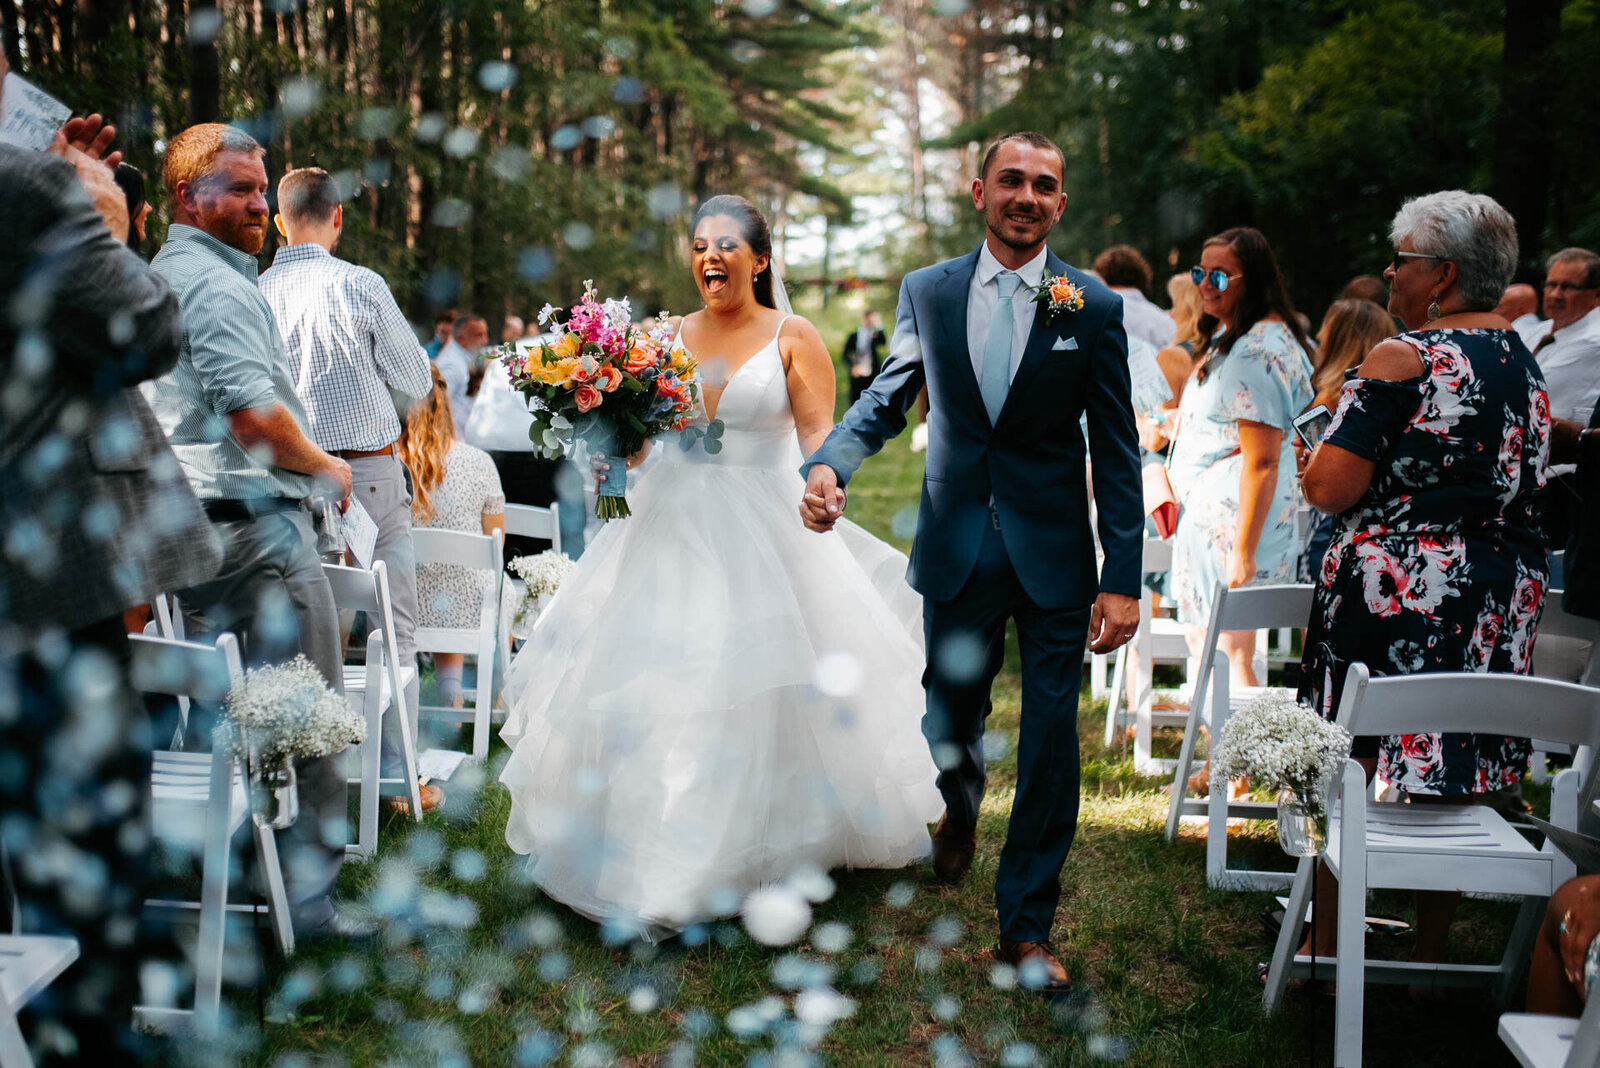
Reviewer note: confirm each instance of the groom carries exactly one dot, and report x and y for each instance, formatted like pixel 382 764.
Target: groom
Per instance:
pixel 1004 526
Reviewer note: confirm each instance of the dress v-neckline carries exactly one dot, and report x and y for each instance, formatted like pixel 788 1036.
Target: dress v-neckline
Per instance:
pixel 727 385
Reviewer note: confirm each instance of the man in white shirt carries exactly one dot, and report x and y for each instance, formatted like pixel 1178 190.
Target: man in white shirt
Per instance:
pixel 1568 353
pixel 1128 274
pixel 455 361
pixel 1519 306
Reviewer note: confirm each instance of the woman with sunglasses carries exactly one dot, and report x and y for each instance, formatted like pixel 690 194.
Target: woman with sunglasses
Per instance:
pixel 1432 464
pixel 1232 464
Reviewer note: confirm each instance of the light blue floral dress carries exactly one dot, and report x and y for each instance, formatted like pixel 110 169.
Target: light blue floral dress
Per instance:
pixel 1265 379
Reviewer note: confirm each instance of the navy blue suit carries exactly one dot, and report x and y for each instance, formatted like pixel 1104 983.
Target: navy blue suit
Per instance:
pixel 1028 557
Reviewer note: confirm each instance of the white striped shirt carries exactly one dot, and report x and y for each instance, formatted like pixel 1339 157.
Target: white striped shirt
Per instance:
pixel 348 344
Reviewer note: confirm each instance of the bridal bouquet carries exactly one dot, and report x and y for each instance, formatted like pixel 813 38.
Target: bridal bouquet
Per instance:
pixel 608 383
pixel 279 714
pixel 1285 746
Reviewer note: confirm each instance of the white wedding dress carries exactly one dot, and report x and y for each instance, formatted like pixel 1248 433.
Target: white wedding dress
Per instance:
pixel 718 698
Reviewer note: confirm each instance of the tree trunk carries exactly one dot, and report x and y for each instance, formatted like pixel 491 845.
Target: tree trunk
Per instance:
pixel 205 75
pixel 1524 134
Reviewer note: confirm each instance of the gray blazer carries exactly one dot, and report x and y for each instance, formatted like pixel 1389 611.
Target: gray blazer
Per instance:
pixel 95 514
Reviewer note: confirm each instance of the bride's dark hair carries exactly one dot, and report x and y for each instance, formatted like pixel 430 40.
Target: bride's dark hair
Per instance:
pixel 752 227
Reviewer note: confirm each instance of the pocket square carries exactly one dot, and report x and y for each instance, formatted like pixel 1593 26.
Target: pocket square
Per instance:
pixel 1064 344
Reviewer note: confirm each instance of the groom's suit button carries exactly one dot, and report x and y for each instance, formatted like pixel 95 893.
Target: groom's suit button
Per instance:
pixel 953 847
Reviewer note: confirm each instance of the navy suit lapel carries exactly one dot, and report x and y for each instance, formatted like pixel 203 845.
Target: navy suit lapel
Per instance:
pixel 1040 339
pixel 950 295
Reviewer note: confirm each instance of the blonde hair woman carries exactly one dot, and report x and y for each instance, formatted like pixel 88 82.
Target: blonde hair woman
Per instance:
pixel 456 487
pixel 1351 329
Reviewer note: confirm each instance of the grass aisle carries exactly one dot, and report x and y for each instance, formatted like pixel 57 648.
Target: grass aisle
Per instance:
pixel 481 970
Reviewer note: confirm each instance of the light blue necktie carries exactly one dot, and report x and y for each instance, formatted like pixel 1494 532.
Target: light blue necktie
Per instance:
pixel 997 352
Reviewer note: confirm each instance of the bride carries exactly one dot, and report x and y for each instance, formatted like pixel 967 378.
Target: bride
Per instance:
pixel 717 699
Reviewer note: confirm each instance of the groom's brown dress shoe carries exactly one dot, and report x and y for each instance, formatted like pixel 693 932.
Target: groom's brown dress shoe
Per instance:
pixel 1036 965
pixel 953 847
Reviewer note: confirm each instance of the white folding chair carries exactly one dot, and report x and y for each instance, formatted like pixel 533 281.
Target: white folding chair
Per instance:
pixel 1571 632
pixel 1378 845
pixel 375 687
pixel 1214 699
pixel 198 801
pixel 1554 1041
pixel 28 964
pixel 1158 641
pixel 480 552
pixel 531 521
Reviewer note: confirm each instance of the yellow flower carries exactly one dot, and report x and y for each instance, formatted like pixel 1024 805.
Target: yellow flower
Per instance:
pixel 560 373
pixel 566 347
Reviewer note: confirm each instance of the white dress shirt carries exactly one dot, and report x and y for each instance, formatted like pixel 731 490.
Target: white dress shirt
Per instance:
pixel 1530 328
pixel 1571 366
pixel 348 343
pixel 455 364
pixel 1143 320
pixel 984 296
pixel 500 417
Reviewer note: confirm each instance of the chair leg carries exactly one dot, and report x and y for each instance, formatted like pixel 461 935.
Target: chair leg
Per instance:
pixel 1288 932
pixel 213 895
pixel 1114 698
pixel 1350 937
pixel 371 757
pixel 408 754
pixel 277 895
pixel 13 1047
pixel 1191 736
pixel 483 703
pixel 1217 808
pixel 1519 948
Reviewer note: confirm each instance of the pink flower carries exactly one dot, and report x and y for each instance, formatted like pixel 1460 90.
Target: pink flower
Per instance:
pixel 1541 412
pixel 1383 579
pixel 587 397
pixel 1450 368
pixel 1485 636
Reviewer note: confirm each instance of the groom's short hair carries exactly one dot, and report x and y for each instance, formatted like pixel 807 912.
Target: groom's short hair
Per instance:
pixel 1027 137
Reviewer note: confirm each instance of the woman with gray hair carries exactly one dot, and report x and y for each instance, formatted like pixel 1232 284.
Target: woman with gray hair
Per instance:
pixel 1431 464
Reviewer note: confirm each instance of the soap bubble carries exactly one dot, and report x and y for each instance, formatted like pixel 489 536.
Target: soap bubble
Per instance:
pixel 776 915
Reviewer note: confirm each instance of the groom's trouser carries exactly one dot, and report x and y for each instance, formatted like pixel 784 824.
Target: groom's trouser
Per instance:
pixel 966 648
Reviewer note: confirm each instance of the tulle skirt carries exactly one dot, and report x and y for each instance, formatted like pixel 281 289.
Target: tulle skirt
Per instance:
pixel 716 699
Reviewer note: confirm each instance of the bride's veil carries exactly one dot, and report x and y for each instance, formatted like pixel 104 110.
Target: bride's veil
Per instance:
pixel 780 294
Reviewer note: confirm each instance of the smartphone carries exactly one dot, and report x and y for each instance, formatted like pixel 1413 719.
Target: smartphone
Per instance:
pixel 1312 424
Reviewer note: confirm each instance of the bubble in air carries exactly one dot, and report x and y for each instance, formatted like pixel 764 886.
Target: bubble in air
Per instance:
pixel 900 894
pixel 460 142
pixel 950 8
pixel 823 1006
pixel 299 98
pixel 204 25
pixel 509 163
pixel 1019 1055
pixel 599 127
pixel 451 212
pixel 497 76
pixel 945 1008
pixel 566 138
pixel 995 745
pixel 664 200
pixel 962 656
pixel 776 915
pixel 431 127
pixel 577 235
pixel 535 263
pixel 831 937
pixel 759 9
pixel 838 674
pixel 629 92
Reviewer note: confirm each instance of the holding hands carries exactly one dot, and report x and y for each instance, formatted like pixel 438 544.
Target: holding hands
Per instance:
pixel 823 503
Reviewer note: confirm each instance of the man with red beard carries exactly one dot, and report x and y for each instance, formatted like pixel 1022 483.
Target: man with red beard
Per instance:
pixel 230 411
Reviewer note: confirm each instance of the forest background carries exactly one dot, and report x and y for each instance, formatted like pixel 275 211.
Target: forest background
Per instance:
pixel 496 154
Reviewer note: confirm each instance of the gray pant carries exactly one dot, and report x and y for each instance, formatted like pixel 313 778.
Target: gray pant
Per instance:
pixel 271 593
pixel 381 485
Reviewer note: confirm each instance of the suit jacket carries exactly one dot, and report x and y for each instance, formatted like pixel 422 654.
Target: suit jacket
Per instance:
pixel 848 352
pixel 95 514
pixel 1030 462
pixel 1582 564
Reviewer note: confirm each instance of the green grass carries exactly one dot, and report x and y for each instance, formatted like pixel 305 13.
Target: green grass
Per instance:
pixel 498 975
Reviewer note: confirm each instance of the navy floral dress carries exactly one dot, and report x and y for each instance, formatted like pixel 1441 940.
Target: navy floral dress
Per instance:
pixel 1441 565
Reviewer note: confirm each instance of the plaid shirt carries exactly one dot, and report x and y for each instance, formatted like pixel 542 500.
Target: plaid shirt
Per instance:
pixel 348 343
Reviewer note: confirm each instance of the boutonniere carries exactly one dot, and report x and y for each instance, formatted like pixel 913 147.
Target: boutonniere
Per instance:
pixel 1059 295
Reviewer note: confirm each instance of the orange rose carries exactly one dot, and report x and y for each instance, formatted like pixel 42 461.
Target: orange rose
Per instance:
pixel 588 397
pixel 1063 292
pixel 608 378
pixel 640 358
pixel 583 370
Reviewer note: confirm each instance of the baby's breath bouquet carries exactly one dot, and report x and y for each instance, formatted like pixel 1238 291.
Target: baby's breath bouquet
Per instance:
pixel 1285 746
pixel 542 573
pixel 279 714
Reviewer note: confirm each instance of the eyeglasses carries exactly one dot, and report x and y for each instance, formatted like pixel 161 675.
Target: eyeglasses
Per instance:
pixel 1565 287
pixel 1394 264
pixel 1218 279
